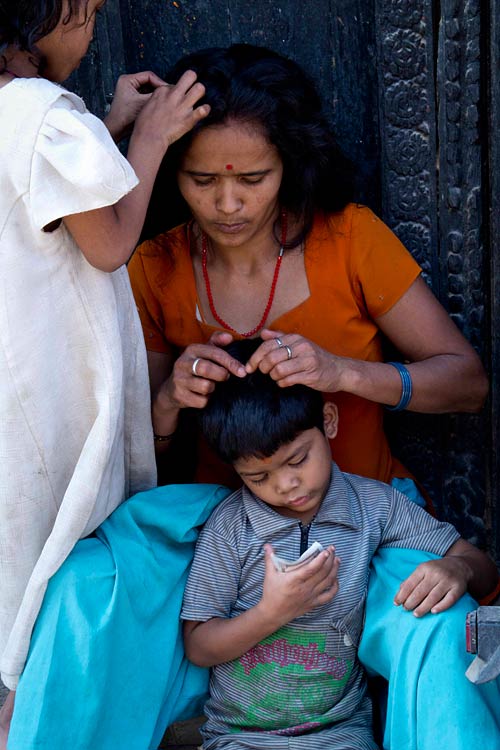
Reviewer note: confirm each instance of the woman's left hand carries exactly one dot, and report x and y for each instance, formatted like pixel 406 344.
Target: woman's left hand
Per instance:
pixel 290 359
pixel 132 92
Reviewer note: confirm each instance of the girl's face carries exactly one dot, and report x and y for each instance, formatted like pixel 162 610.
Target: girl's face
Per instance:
pixel 65 46
pixel 230 177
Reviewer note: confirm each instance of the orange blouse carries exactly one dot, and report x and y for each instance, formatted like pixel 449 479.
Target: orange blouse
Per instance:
pixel 356 269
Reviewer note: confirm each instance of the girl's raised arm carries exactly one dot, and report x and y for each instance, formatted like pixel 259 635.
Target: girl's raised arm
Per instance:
pixel 108 236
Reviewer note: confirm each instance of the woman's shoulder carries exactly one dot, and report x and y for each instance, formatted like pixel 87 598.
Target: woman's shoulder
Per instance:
pixel 168 245
pixel 343 222
pixel 355 231
pixel 164 261
pixel 333 235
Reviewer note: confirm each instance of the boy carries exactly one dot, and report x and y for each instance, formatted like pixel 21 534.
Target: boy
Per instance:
pixel 283 645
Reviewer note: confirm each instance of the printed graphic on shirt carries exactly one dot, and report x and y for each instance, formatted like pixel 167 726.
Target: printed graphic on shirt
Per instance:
pixel 288 683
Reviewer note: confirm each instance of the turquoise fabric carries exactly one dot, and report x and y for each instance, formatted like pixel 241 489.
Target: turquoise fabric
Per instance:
pixel 106 668
pixel 410 489
pixel 430 703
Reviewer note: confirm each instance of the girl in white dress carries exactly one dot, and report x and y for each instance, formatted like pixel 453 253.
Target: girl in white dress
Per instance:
pixel 75 428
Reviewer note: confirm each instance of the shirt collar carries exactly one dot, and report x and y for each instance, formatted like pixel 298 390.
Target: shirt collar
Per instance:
pixel 336 508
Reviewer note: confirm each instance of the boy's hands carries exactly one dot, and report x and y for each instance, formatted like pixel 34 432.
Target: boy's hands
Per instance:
pixel 284 597
pixel 434 586
pixel 290 594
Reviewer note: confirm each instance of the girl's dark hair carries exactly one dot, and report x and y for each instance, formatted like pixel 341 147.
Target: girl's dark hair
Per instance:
pixel 24 23
pixel 255 85
pixel 253 416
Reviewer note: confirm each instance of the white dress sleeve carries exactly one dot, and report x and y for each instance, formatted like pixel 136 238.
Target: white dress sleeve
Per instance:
pixel 76 166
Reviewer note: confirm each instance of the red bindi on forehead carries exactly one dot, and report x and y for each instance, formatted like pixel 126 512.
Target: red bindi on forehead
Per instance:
pixel 229 166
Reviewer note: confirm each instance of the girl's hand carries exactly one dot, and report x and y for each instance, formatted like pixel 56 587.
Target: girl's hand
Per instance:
pixel 171 112
pixel 434 586
pixel 132 92
pixel 297 360
pixel 291 594
pixel 190 384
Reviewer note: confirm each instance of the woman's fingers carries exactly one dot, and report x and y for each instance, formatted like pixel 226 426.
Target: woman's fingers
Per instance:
pixel 211 360
pixel 286 358
pixel 220 338
pixel 278 347
pixel 205 370
pixel 197 371
pixel 291 359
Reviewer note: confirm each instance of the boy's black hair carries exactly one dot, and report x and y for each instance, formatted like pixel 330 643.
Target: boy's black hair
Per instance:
pixel 23 22
pixel 253 416
pixel 254 85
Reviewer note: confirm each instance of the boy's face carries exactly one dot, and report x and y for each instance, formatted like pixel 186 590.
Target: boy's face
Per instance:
pixel 294 480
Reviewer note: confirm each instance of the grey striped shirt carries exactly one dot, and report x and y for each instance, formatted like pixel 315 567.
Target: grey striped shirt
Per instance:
pixel 304 681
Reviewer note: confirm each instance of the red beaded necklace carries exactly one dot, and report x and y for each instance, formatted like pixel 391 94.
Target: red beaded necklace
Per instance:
pixel 260 325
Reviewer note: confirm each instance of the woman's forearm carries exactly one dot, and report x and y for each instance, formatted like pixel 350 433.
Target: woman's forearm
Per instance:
pixel 165 418
pixel 442 383
pixel 447 374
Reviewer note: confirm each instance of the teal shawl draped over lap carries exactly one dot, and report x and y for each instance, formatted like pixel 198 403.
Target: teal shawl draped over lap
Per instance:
pixel 106 668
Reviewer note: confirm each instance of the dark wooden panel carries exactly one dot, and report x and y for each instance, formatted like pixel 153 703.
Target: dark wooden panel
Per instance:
pixel 96 78
pixel 334 41
pixel 461 256
pixel 492 86
pixel 432 113
pixel 406 81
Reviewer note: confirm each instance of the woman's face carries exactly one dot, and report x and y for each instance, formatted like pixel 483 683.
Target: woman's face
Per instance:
pixel 230 177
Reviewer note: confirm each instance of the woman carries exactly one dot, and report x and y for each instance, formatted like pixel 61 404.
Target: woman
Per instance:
pixel 260 173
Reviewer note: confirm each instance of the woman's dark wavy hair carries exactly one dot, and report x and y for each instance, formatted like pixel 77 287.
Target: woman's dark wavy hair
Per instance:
pixel 255 85
pixel 24 23
pixel 253 416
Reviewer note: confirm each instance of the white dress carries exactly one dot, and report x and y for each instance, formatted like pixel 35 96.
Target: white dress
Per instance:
pixel 75 427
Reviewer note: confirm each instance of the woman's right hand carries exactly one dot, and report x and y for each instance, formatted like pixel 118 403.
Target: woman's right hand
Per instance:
pixel 190 384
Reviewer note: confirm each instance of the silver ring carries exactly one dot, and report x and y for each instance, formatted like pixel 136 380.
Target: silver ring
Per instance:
pixel 195 365
pixel 288 351
pixel 279 342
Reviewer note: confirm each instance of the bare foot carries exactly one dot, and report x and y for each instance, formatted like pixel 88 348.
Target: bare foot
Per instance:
pixel 5 717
